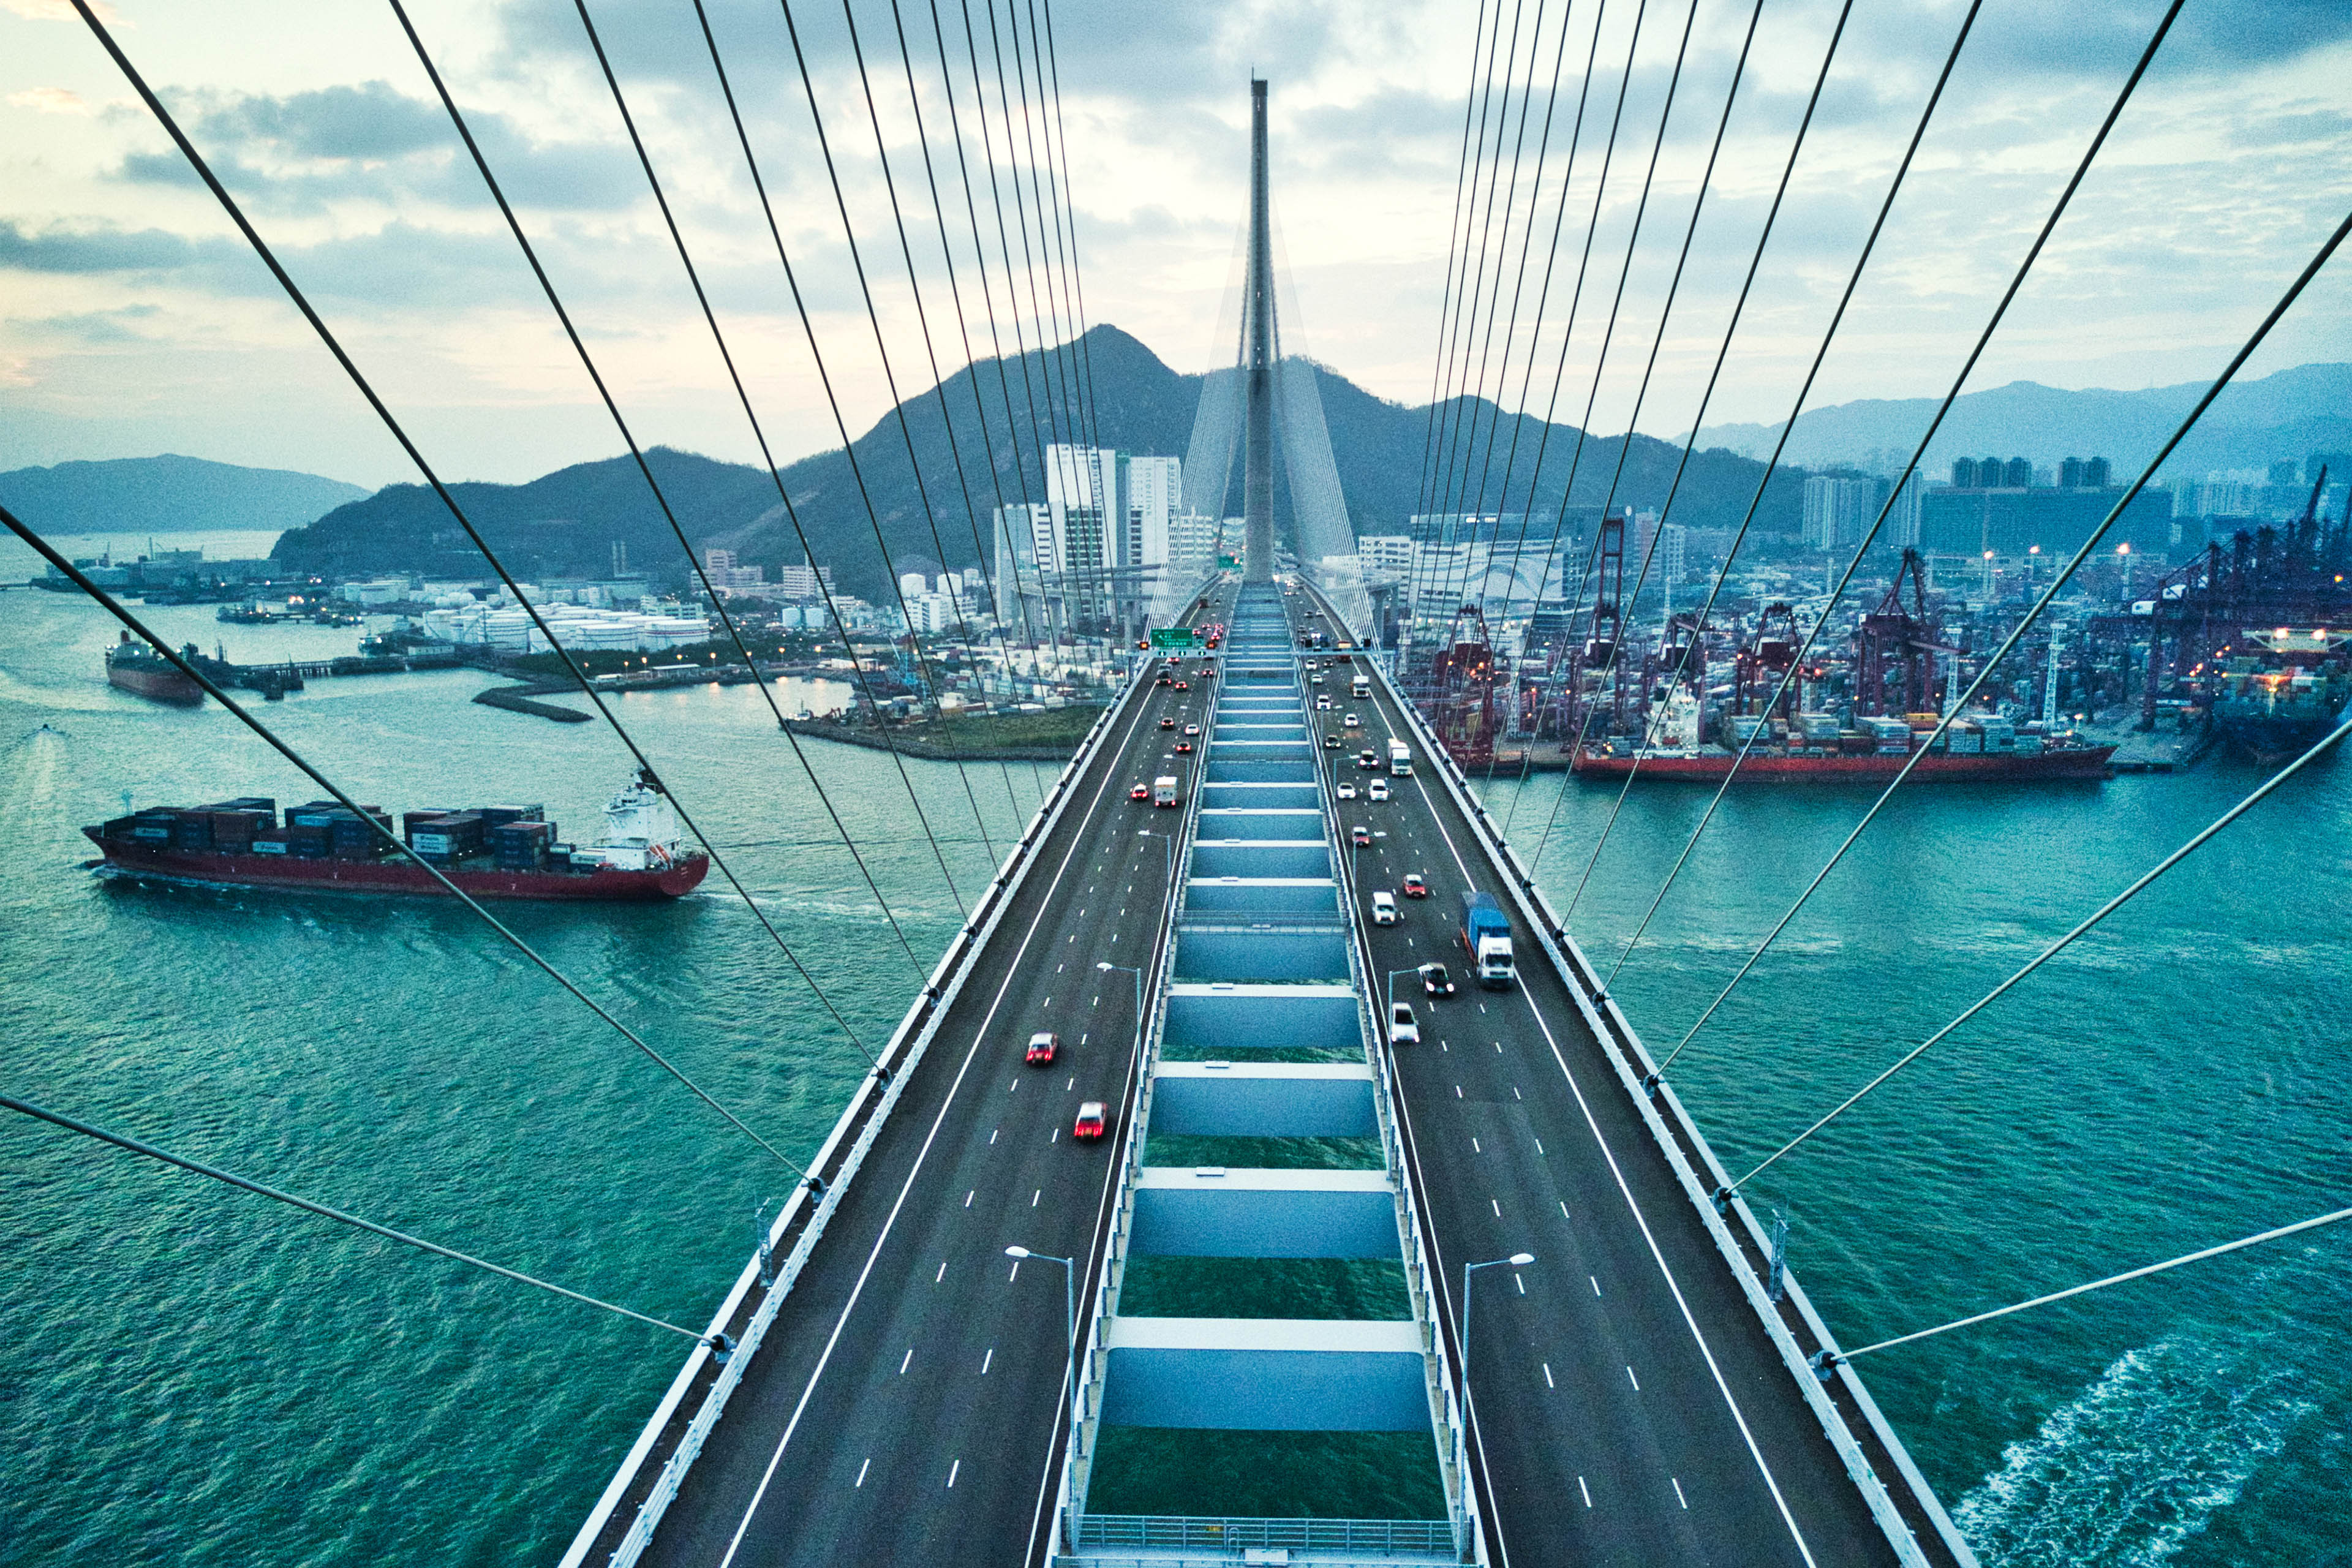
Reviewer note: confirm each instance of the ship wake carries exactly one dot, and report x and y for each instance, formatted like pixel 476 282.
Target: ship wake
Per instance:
pixel 2136 1465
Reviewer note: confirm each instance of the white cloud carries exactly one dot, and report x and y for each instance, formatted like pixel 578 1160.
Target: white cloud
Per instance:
pixel 2227 167
pixel 50 101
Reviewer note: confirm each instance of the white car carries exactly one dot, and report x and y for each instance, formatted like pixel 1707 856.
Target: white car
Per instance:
pixel 1378 789
pixel 1351 722
pixel 1384 908
pixel 1346 789
pixel 1322 703
pixel 1402 1030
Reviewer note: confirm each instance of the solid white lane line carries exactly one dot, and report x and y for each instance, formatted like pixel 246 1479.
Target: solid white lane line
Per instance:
pixel 862 1469
pixel 971 1054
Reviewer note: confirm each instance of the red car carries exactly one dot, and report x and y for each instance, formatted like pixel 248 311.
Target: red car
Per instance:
pixel 1415 888
pixel 1042 1045
pixel 1165 681
pixel 1361 837
pixel 1167 723
pixel 1140 791
pixel 1184 748
pixel 1183 686
pixel 1088 1128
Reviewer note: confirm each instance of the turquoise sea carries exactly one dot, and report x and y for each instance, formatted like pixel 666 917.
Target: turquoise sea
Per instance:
pixel 190 1376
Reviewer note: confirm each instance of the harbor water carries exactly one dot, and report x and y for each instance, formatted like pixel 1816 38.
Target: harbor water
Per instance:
pixel 189 1375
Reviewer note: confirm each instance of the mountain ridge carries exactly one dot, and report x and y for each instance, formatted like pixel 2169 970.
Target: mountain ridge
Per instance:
pixel 168 493
pixel 2280 417
pixel 1106 386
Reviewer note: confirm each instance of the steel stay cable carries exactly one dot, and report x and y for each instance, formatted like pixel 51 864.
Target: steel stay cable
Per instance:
pixel 1674 288
pixel 2016 283
pixel 1053 417
pixel 971 365
pixel 964 324
pixel 1837 316
pixel 1051 365
pixel 890 380
pixel 1527 381
pixel 1049 253
pixel 399 434
pixel 1599 365
pixel 1575 302
pixel 1012 294
pixel 339 1217
pixel 849 449
pixel 1449 318
pixel 751 418
pixel 1455 588
pixel 1518 292
pixel 1722 353
pixel 1066 213
pixel 1456 246
pixel 114 607
pixel 1463 404
pixel 2055 948
pixel 1826 1360
pixel 1459 493
pixel 612 406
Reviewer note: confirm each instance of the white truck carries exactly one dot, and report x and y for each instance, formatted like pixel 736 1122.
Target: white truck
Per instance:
pixel 1361 687
pixel 1163 790
pixel 1400 758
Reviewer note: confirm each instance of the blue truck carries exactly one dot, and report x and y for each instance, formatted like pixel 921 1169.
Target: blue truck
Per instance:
pixel 1486 938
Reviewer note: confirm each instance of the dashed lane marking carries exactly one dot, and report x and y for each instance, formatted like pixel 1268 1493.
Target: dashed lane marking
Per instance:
pixel 867 1466
pixel 902 1364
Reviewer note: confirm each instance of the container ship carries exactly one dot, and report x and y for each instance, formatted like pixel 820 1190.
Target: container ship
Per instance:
pixel 1814 748
pixel 488 851
pixel 2280 691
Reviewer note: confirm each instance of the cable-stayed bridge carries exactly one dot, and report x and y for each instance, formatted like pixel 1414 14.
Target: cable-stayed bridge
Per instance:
pixel 1579 1335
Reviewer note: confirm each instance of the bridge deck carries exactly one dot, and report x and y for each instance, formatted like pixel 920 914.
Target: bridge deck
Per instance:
pixel 908 1403
pixel 1630 1406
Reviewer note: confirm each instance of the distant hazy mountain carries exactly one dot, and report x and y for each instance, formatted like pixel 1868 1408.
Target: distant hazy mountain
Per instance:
pixel 569 521
pixel 2281 417
pixel 167 494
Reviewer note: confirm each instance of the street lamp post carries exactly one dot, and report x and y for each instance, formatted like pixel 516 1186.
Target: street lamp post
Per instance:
pixel 1069 1322
pixel 1517 1260
pixel 1391 985
pixel 1168 847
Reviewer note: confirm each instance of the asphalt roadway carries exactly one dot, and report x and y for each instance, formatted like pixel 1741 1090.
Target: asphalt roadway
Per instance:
pixel 908 1405
pixel 1629 1408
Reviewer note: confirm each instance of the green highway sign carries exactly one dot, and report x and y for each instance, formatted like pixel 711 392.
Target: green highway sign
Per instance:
pixel 1175 638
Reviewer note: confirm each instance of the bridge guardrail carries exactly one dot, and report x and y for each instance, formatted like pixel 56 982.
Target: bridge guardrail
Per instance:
pixel 1681 1143
pixel 860 1124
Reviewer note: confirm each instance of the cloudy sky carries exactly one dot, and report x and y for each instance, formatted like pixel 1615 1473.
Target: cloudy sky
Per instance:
pixel 134 320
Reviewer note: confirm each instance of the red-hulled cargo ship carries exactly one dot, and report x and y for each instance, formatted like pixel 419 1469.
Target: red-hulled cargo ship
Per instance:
pixel 493 852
